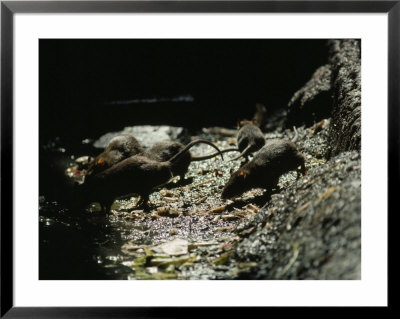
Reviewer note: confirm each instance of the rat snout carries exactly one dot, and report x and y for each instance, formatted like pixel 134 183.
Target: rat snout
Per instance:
pixel 230 190
pixel 236 185
pixel 225 194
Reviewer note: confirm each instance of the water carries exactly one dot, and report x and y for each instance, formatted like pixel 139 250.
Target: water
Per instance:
pixel 88 244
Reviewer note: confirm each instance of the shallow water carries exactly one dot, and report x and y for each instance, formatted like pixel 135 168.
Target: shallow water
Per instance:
pixel 90 245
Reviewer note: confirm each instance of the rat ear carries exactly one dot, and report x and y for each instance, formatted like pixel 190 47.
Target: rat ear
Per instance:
pixel 100 161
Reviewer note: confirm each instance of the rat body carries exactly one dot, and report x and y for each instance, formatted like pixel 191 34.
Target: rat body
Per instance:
pixel 277 157
pixel 249 139
pixel 119 148
pixel 163 151
pixel 137 174
pixel 259 117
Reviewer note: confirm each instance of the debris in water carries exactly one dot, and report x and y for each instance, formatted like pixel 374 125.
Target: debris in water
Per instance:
pixel 203 199
pixel 167 211
pixel 217 210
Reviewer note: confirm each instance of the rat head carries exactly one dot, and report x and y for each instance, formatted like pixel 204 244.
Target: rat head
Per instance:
pixel 97 165
pixel 245 122
pixel 238 184
pixel 104 161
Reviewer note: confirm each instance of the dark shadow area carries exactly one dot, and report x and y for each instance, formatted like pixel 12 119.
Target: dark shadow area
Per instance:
pixel 89 87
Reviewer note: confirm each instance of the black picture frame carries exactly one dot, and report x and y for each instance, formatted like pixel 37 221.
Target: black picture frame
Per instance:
pixel 9 8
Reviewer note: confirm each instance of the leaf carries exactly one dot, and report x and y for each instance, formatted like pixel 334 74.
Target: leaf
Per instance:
pixel 223 259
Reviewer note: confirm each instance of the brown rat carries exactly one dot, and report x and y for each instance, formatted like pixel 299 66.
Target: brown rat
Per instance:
pixel 259 117
pixel 249 139
pixel 119 148
pixel 277 157
pixel 163 151
pixel 137 174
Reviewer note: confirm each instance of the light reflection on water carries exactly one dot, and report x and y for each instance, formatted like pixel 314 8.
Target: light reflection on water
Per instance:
pixel 177 99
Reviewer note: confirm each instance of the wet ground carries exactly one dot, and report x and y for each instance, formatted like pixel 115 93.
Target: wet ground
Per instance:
pixel 189 232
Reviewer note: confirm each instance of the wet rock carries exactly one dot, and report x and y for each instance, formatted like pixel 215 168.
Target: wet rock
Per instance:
pixel 312 231
pixel 147 135
pixel 334 90
pixel 174 247
pixel 313 101
pixel 345 127
pixel 83 161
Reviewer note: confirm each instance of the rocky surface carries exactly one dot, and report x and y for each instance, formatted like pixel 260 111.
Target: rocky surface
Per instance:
pixel 311 230
pixel 345 129
pixel 147 135
pixel 334 90
pixel 313 101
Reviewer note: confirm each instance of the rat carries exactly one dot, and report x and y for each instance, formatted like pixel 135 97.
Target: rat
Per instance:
pixel 249 139
pixel 137 174
pixel 119 148
pixel 259 117
pixel 163 151
pixel 275 158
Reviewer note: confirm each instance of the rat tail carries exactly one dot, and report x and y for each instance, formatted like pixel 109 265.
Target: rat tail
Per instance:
pixel 205 157
pixel 178 156
pixel 296 135
pixel 246 151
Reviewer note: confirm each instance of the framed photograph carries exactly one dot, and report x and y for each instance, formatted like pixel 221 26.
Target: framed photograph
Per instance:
pixel 165 154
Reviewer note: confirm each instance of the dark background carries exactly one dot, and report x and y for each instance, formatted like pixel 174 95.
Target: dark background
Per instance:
pixel 79 78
